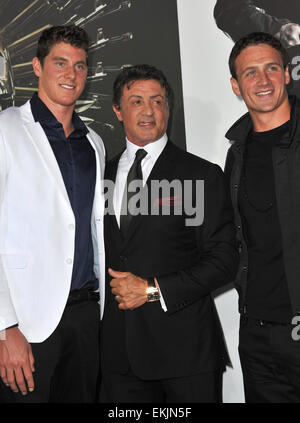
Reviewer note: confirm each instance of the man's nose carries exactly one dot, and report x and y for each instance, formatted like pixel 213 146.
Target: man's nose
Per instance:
pixel 148 108
pixel 71 72
pixel 264 78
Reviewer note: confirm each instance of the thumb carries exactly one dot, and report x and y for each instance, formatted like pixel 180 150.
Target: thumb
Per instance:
pixel 116 274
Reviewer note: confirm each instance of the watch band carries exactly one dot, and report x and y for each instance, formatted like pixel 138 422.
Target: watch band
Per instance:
pixel 152 291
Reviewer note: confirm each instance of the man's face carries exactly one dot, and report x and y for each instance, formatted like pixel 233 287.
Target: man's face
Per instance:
pixel 261 79
pixel 144 111
pixel 62 76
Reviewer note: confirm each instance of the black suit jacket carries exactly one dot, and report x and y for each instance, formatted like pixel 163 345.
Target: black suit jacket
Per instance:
pixel 189 263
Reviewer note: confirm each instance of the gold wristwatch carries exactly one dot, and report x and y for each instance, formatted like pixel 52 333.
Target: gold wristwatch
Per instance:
pixel 152 291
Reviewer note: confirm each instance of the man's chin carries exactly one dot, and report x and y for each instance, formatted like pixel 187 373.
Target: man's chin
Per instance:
pixel 265 108
pixel 67 103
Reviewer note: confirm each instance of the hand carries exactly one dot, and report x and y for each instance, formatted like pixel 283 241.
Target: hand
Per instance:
pixel 289 34
pixel 16 361
pixel 130 290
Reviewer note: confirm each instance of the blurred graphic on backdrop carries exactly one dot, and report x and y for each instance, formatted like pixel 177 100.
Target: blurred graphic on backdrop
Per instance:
pixel 121 32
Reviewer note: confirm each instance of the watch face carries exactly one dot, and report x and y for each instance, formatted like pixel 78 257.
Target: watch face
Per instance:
pixel 151 290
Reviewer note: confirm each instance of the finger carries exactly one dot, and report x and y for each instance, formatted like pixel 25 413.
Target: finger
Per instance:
pixel 116 274
pixel 114 283
pixel 118 285
pixel 117 291
pixel 11 380
pixel 3 375
pixel 125 306
pixel 29 377
pixel 122 306
pixel 118 298
pixel 31 359
pixel 20 381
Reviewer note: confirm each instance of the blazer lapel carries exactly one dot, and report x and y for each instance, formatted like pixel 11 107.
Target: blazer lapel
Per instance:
pixel 39 140
pixel 98 207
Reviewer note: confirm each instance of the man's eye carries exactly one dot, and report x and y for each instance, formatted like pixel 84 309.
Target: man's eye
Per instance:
pixel 251 73
pixel 59 64
pixel 81 67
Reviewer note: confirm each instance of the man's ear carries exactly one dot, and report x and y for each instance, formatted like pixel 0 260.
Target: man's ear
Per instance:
pixel 118 112
pixel 37 67
pixel 235 86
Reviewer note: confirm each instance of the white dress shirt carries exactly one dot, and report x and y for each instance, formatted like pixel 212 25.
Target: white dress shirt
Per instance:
pixel 154 149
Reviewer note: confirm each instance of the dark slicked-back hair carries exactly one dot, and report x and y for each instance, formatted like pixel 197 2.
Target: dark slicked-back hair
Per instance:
pixel 137 73
pixel 72 34
pixel 254 39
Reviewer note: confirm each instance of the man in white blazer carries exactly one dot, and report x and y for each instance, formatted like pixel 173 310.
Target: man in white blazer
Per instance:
pixel 51 233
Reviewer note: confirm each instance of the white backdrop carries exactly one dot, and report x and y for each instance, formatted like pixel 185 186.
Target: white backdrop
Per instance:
pixel 210 109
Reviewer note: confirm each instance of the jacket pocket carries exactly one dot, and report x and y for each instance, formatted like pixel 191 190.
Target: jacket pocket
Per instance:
pixel 14 261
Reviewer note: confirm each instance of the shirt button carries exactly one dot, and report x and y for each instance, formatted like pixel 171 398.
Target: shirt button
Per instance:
pixel 71 227
pixel 69 261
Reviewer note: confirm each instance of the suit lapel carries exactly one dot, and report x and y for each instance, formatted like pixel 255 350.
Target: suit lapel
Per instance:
pixel 110 175
pixel 112 168
pixel 162 169
pixel 164 166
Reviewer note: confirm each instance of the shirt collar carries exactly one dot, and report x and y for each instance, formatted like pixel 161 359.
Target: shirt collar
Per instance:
pixel 42 114
pixel 153 149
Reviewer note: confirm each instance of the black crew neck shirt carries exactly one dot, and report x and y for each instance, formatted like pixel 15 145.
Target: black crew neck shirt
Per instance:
pixel 267 296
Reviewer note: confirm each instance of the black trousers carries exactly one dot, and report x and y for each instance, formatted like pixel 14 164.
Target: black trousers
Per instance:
pixel 66 363
pixel 270 360
pixel 204 387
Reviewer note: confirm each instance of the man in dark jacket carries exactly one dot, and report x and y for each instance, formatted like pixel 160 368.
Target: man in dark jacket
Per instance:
pixel 263 169
pixel 162 341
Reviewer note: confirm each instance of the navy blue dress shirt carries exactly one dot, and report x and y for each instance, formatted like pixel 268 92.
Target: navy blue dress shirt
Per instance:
pixel 77 162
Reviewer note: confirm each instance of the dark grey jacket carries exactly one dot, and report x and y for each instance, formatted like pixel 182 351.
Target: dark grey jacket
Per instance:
pixel 286 164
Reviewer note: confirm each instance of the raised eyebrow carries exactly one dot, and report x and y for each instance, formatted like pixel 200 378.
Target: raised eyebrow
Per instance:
pixel 254 67
pixel 81 62
pixel 248 69
pixel 63 59
pixel 275 63
pixel 135 96
pixel 141 97
pixel 157 95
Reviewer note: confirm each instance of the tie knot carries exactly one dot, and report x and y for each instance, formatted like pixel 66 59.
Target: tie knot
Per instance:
pixel 140 154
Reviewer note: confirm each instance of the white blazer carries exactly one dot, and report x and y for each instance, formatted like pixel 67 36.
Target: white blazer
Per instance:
pixel 37 227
